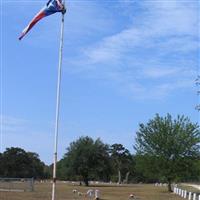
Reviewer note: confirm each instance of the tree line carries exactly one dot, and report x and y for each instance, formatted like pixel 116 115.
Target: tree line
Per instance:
pixel 165 150
pixel 17 163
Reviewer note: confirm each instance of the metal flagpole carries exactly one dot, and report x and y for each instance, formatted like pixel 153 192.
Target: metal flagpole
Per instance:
pixel 58 106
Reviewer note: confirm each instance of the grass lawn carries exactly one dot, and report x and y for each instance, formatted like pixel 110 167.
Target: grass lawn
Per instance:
pixel 109 192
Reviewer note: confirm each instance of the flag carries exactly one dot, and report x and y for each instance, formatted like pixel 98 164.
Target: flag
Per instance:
pixel 50 8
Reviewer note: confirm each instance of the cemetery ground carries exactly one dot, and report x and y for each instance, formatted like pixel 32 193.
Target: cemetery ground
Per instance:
pixel 107 192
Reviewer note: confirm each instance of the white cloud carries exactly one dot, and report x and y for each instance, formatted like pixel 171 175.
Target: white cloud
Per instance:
pixel 168 24
pixel 160 44
pixel 160 72
pixel 12 125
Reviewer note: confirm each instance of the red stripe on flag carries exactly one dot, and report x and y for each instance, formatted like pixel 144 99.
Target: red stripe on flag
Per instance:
pixel 38 17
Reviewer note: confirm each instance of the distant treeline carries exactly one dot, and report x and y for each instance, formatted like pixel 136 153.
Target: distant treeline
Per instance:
pixel 17 163
pixel 166 150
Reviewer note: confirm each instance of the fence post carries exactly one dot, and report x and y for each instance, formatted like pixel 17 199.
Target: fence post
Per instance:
pixel 182 193
pixel 190 195
pixel 32 184
pixel 185 194
pixel 194 196
pixel 174 190
pixel 177 191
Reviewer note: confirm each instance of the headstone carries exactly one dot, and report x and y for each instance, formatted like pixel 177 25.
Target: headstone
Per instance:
pixel 199 197
pixel 97 194
pixel 74 191
pixel 90 193
pixel 80 194
pixel 180 191
pixel 131 196
pixel 194 196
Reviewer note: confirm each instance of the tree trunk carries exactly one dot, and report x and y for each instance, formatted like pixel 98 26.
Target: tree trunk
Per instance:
pixel 126 179
pixel 86 181
pixel 119 177
pixel 169 186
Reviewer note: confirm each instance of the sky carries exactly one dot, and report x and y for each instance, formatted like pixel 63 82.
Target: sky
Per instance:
pixel 123 62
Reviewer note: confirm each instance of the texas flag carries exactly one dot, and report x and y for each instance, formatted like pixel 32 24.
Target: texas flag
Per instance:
pixel 51 7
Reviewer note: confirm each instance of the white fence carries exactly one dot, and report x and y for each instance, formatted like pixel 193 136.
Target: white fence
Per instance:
pixel 16 184
pixel 186 194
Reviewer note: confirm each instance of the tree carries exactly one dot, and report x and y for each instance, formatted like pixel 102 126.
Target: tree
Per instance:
pixel 17 163
pixel 168 149
pixel 122 159
pixel 36 167
pixel 88 159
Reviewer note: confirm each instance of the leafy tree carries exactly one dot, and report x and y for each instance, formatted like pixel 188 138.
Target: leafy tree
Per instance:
pixel 146 169
pixel 47 172
pixel 168 149
pixel 36 167
pixel 16 162
pixel 122 159
pixel 63 170
pixel 88 159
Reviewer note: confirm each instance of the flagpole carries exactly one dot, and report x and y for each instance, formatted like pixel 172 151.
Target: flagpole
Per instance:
pixel 57 107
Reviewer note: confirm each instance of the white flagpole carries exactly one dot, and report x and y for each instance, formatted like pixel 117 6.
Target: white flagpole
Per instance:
pixel 57 107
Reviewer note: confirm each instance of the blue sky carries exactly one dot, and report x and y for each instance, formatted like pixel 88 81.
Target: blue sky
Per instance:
pixel 123 62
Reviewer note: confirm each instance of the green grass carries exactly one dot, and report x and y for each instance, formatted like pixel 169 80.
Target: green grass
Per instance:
pixel 108 192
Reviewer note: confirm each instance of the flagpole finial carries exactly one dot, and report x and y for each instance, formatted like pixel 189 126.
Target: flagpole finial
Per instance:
pixel 64 8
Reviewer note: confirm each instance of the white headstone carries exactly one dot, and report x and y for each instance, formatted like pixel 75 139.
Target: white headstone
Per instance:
pixel 97 194
pixel 74 191
pixel 131 196
pixel 180 192
pixel 194 196
pixel 80 193
pixel 199 197
pixel 90 193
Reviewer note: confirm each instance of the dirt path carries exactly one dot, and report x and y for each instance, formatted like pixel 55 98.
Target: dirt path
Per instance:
pixel 196 186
